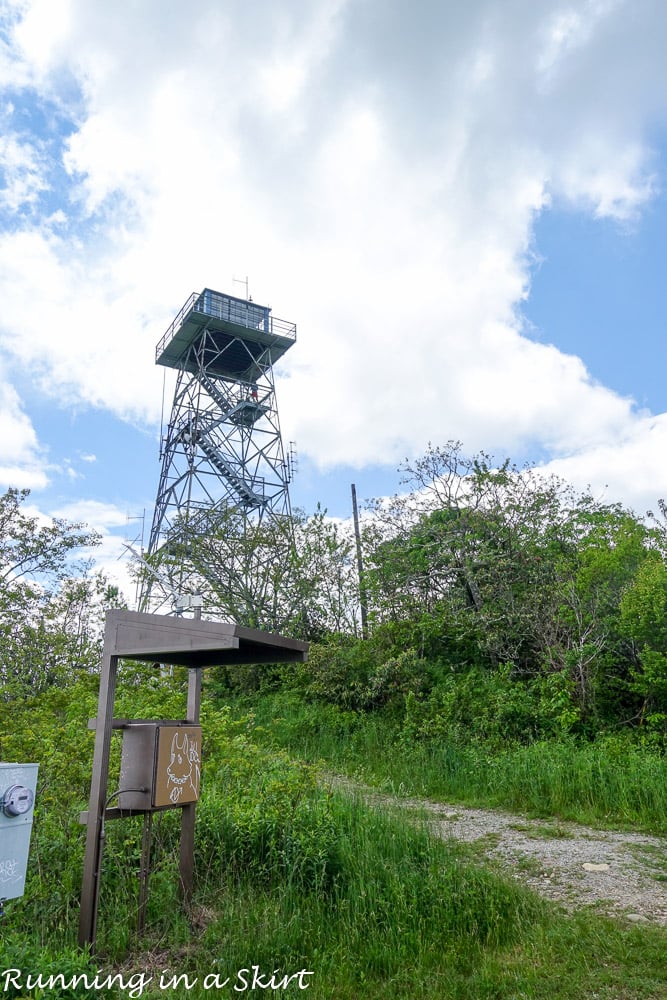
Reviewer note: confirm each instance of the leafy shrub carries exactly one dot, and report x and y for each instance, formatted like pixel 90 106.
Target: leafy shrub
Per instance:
pixel 356 676
pixel 481 705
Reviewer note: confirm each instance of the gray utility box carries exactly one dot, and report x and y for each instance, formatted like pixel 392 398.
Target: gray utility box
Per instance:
pixel 18 784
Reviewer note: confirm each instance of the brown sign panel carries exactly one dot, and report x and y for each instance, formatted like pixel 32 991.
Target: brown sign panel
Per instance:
pixel 178 765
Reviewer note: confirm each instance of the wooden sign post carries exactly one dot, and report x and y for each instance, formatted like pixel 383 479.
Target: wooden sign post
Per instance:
pixel 162 761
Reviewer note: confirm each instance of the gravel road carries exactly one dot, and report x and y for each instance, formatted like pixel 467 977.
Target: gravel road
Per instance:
pixel 621 874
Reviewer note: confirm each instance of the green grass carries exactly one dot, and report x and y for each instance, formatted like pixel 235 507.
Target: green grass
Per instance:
pixel 654 857
pixel 542 831
pixel 389 908
pixel 291 877
pixel 604 783
pixel 291 881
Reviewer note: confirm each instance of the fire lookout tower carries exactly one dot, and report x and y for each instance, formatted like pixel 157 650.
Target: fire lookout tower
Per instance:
pixel 221 522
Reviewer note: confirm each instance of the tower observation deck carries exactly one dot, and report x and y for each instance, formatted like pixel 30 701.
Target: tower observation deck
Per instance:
pixel 221 518
pixel 238 334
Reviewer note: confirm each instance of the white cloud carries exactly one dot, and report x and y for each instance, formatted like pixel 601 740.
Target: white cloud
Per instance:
pixel 375 168
pixel 21 462
pixel 628 467
pixel 81 336
pixel 42 30
pixel 110 555
pixel 22 170
pixel 612 182
pixel 98 516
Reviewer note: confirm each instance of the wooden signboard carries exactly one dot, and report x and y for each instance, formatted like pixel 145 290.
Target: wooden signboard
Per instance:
pixel 177 766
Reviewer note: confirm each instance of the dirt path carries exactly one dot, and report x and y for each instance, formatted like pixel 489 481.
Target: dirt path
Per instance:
pixel 622 874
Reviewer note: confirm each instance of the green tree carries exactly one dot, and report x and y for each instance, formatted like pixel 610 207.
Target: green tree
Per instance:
pixel 477 549
pixel 242 567
pixel 51 604
pixel 643 610
pixel 328 583
pixel 609 545
pixel 291 574
pixel 491 564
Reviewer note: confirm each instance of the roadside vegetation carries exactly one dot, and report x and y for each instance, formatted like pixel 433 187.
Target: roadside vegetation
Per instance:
pixel 516 655
pixel 516 651
pixel 290 877
pixel 610 782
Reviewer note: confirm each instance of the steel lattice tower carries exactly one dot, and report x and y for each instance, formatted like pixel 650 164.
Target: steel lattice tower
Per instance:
pixel 221 526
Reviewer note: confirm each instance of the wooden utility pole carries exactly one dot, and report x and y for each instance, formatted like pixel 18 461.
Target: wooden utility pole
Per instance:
pixel 360 567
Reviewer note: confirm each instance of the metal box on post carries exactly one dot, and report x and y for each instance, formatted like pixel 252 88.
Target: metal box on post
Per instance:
pixel 18 784
pixel 160 765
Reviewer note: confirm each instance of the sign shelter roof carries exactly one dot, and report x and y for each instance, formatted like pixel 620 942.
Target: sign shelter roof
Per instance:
pixel 191 642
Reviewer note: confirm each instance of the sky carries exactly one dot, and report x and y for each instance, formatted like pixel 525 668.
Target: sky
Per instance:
pixel 463 208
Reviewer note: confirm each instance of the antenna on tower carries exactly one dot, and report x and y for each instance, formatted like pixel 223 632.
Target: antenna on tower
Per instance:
pixel 180 602
pixel 138 538
pixel 243 281
pixel 291 462
pixel 138 517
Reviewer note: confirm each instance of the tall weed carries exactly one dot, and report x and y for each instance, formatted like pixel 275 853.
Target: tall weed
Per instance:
pixel 608 781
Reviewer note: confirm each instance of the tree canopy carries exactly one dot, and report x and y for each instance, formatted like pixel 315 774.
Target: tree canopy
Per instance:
pixel 479 565
pixel 51 603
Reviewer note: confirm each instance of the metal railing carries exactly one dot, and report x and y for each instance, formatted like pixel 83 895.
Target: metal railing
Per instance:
pixel 228 308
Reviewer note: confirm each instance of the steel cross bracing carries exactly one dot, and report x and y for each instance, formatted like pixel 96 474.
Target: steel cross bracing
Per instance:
pixel 222 525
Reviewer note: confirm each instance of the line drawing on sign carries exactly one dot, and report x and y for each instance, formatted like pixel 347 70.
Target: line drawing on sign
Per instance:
pixel 183 767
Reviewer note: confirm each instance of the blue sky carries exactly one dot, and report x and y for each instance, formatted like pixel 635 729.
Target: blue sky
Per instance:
pixel 600 292
pixel 462 207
